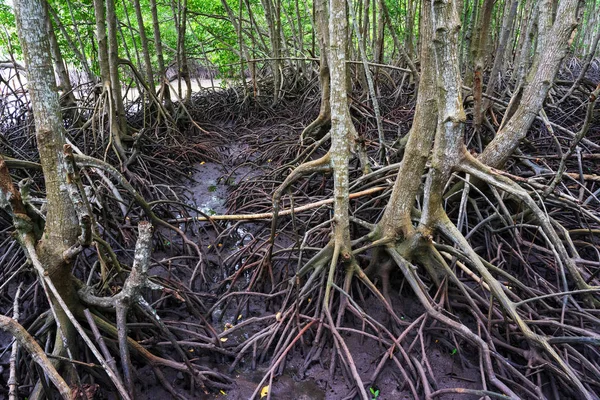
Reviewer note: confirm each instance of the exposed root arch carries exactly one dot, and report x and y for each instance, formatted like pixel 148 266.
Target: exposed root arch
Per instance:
pixel 486 174
pixel 418 288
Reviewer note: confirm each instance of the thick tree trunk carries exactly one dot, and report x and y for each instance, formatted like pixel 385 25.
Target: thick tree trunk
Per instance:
pixel 396 220
pixel 448 148
pixel 62 227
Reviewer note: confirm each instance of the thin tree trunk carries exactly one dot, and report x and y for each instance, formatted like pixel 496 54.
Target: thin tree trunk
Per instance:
pixel 164 86
pixel 100 15
pixel 274 24
pixel 320 126
pixel 81 48
pixel 410 23
pixel 480 51
pixel 113 64
pixel 237 25
pixel 586 64
pixel 534 94
pixel 494 75
pixel 525 49
pixel 406 55
pixel 107 83
pixel 185 68
pixel 64 82
pixel 131 33
pixel 145 49
pixel 466 45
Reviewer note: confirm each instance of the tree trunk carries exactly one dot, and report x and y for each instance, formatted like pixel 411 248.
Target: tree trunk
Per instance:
pixel 100 15
pixel 274 24
pixel 113 65
pixel 497 66
pixel 320 126
pixel 341 122
pixel 164 88
pixel 62 227
pixel 64 83
pixel 183 64
pixel 480 51
pixel 396 220
pixel 145 49
pixel 556 45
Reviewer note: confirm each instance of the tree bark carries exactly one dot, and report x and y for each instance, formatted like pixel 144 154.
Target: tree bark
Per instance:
pixel 396 221
pixel 62 227
pixel 145 49
pixel 480 51
pixel 497 66
pixel 164 87
pixel 113 65
pixel 320 126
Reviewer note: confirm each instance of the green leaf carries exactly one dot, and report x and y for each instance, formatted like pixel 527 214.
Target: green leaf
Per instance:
pixel 212 188
pixel 454 351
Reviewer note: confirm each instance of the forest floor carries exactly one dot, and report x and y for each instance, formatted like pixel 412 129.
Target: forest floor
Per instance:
pixel 229 162
pixel 211 193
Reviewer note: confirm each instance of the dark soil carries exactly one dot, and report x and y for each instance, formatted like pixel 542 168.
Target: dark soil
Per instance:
pixel 211 193
pixel 235 171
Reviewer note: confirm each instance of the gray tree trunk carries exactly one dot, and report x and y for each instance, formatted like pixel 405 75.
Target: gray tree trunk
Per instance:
pixel 62 228
pixel 557 42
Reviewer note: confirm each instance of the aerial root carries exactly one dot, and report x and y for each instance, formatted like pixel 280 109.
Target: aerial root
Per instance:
pixel 320 165
pixel 480 171
pixel 86 161
pixel 418 288
pixel 203 377
pixel 317 129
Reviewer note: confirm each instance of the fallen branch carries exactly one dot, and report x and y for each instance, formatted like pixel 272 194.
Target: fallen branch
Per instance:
pixel 37 353
pixel 243 217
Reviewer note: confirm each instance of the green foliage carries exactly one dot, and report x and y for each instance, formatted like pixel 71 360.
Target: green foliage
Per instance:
pixel 211 40
pixel 9 41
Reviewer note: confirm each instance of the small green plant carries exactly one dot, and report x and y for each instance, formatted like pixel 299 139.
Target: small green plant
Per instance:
pixel 454 351
pixel 212 188
pixel 374 392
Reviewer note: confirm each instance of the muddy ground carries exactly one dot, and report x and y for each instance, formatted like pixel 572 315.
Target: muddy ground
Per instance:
pixel 213 191
pixel 239 158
